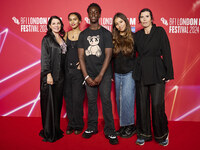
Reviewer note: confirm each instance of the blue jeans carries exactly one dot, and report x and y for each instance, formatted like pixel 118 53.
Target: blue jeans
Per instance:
pixel 125 98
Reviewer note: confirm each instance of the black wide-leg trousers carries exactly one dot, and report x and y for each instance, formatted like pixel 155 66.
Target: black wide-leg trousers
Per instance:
pixel 74 94
pixel 159 118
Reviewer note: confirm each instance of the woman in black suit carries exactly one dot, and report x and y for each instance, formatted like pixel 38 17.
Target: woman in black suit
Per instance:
pixel 52 79
pixel 153 68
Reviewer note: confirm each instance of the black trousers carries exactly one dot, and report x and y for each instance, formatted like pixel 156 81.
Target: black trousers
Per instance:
pixel 74 93
pixel 51 97
pixel 159 118
pixel 92 93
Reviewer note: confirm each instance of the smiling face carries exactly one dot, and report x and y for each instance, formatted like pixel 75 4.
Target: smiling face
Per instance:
pixel 120 24
pixel 74 21
pixel 55 25
pixel 94 14
pixel 145 19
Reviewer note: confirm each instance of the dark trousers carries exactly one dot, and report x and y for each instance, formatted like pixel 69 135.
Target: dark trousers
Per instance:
pixel 92 93
pixel 159 118
pixel 74 93
pixel 57 89
pixel 51 104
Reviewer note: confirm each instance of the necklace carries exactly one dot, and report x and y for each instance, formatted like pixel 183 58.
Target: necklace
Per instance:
pixel 74 35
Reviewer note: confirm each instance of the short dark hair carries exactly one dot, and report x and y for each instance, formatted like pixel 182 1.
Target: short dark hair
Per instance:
pixel 49 31
pixel 143 10
pixel 77 14
pixel 94 5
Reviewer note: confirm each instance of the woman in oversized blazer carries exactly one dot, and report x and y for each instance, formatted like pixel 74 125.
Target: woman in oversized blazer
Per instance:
pixel 52 79
pixel 153 68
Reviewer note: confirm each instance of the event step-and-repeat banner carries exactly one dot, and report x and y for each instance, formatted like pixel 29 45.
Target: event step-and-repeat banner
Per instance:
pixel 23 25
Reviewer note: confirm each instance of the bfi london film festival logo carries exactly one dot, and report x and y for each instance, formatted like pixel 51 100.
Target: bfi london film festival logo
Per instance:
pixel 107 23
pixel 182 25
pixel 31 24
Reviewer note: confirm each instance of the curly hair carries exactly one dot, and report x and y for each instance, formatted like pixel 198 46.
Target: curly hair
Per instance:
pixel 122 43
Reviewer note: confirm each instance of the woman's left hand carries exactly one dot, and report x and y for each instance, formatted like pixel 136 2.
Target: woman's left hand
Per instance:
pixel 49 79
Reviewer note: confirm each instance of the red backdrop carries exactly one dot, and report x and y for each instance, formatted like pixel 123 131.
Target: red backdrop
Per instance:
pixel 23 25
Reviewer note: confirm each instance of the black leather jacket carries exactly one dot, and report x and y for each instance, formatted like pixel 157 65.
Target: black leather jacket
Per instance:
pixel 50 57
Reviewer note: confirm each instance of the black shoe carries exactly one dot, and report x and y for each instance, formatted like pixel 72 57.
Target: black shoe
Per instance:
pixel 128 132
pixel 44 140
pixel 112 139
pixel 88 133
pixel 69 130
pixel 119 132
pixel 78 131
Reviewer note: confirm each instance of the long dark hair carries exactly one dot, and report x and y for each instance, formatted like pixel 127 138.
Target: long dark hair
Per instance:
pixel 122 43
pixel 49 31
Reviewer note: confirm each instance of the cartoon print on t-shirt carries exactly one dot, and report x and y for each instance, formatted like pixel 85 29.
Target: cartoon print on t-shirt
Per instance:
pixel 94 48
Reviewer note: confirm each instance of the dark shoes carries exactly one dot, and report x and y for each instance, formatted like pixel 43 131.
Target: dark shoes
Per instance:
pixel 69 130
pixel 112 139
pixel 78 131
pixel 128 131
pixel 119 132
pixel 165 142
pixel 140 142
pixel 88 133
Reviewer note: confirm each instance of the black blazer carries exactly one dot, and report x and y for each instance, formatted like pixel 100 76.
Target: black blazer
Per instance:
pixel 154 60
pixel 50 57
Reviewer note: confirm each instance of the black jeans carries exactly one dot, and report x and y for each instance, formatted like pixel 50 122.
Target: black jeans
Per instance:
pixel 74 93
pixel 159 118
pixel 92 93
